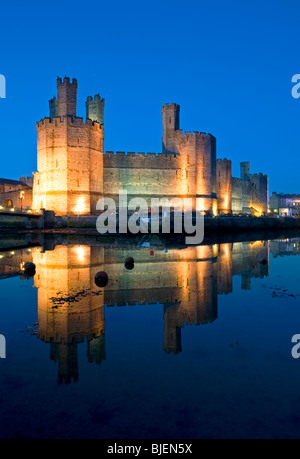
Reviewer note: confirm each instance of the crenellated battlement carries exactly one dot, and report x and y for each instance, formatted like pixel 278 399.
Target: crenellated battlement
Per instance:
pixel 67 81
pixel 259 175
pixel 192 135
pixel 224 160
pixel 140 160
pixel 70 121
pixel 194 139
pixel 96 98
pixel 171 106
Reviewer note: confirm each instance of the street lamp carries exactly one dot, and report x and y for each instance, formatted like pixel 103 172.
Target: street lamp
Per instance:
pixel 21 197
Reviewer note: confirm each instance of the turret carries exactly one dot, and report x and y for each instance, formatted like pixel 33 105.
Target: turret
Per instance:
pixel 95 109
pixel 67 97
pixel 53 107
pixel 245 170
pixel 170 115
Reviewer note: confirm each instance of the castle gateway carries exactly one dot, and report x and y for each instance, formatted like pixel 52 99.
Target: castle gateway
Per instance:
pixel 74 172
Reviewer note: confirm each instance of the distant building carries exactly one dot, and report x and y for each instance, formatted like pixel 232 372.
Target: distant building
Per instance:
pixel 285 204
pixel 16 193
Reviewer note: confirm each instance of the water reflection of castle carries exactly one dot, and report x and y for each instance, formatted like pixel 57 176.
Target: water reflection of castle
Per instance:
pixel 186 282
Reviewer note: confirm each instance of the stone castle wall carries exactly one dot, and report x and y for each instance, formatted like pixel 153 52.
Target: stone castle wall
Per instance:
pixel 142 175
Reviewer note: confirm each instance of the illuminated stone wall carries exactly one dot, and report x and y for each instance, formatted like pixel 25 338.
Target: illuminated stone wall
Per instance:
pixel 142 175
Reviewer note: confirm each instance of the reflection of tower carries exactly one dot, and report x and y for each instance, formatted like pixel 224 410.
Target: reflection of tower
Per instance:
pixel 96 349
pixel 250 259
pixel 172 342
pixel 197 297
pixel 66 356
pixel 246 281
pixel 224 275
pixel 69 307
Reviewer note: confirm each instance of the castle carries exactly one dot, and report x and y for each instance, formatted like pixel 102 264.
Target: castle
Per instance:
pixel 74 172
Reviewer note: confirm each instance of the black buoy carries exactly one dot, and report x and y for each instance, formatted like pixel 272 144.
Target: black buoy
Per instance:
pixel 129 263
pixel 101 279
pixel 263 261
pixel 29 269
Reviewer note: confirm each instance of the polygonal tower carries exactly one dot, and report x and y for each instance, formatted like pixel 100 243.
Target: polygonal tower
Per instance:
pixel 69 180
pixel 196 158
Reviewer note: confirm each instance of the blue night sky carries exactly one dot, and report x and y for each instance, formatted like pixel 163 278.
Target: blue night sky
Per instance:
pixel 228 64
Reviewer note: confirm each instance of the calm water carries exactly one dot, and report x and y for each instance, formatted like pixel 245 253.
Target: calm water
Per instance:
pixel 191 343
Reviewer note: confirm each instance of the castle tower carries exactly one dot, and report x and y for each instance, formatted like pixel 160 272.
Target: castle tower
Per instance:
pixel 196 159
pixel 53 107
pixel 69 180
pixel 95 109
pixel 245 170
pixel 170 116
pixel 67 96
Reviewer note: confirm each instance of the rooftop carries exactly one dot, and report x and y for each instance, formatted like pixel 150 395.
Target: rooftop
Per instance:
pixel 4 181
